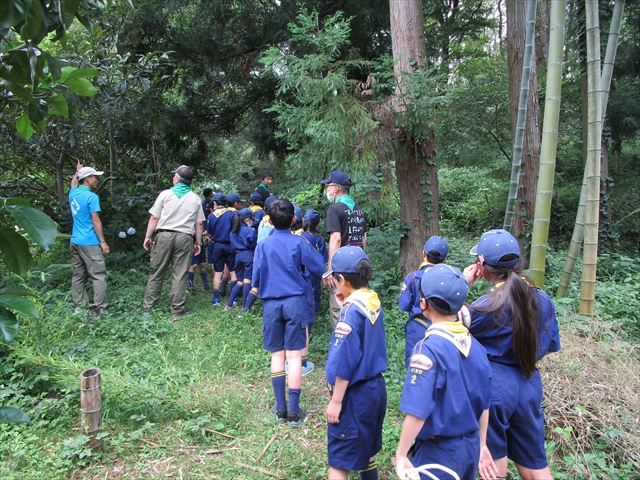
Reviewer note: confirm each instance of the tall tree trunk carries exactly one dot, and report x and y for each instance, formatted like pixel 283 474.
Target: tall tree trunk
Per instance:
pixel 544 193
pixel 113 156
pixel 607 72
pixel 524 173
pixel 592 211
pixel 415 162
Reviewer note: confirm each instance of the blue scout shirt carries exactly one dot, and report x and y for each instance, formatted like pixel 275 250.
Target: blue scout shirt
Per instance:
pixel 279 263
pixel 83 203
pixel 258 214
pixel 448 384
pixel 220 224
pixel 409 300
pixel 358 349
pixel 497 337
pixel 244 239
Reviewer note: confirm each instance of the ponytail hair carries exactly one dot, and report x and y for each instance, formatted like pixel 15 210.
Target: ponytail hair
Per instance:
pixel 236 223
pixel 517 296
pixel 311 228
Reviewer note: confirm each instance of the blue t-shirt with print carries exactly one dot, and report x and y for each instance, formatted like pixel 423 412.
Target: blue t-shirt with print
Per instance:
pixel 83 203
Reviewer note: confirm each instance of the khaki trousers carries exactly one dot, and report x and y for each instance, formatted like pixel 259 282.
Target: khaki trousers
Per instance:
pixel 88 261
pixel 334 308
pixel 175 248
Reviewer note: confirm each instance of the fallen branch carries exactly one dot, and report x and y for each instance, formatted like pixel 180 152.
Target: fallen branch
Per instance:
pixel 219 433
pixel 258 469
pixel 275 435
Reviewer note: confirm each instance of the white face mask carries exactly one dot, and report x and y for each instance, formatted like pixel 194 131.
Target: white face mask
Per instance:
pixel 331 198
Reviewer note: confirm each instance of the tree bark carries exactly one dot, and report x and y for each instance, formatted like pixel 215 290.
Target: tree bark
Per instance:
pixel 416 169
pixel 516 28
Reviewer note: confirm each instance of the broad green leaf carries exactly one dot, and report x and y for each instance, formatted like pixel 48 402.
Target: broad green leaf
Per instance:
pixel 37 113
pixel 19 304
pixel 38 225
pixel 33 21
pixel 15 250
pixel 68 9
pixel 23 126
pixel 40 126
pixel 84 73
pixel 12 12
pixel 23 292
pixel 59 106
pixel 53 64
pixel 17 201
pixel 8 325
pixel 13 415
pixel 81 86
pixel 84 21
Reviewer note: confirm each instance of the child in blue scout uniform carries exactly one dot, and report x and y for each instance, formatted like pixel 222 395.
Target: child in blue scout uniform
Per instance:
pixel 219 228
pixel 357 358
pixel 278 275
pixel 311 222
pixel 256 208
pixel 516 323
pixel 447 390
pixel 265 228
pixel 243 243
pixel 435 251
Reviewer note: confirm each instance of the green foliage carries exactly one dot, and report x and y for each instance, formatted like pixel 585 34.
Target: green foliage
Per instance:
pixel 320 116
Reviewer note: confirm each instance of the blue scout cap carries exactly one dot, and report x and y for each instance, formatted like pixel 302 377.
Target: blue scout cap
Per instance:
pixel 494 245
pixel 219 196
pixel 269 200
pixel 345 260
pixel 446 283
pixel 437 247
pixel 339 177
pixel 255 197
pixel 233 198
pixel 245 213
pixel 312 216
pixel 297 212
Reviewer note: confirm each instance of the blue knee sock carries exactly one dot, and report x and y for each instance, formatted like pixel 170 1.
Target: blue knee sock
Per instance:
pixel 278 381
pixel 309 328
pixel 223 287
pixel 294 400
pixel 205 282
pixel 249 300
pixel 190 277
pixel 233 295
pixel 370 473
pixel 304 361
pixel 246 288
pixel 216 295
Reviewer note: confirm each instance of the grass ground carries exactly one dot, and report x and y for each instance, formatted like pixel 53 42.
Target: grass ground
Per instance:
pixel 191 399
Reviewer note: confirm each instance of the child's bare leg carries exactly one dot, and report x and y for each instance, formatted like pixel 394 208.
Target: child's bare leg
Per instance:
pixel 338 474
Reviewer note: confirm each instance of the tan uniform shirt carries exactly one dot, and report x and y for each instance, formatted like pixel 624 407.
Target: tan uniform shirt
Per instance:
pixel 179 214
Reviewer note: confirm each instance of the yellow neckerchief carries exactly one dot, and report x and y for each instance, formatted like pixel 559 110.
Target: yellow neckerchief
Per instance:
pixel 265 220
pixel 425 264
pixel 231 209
pixel 499 284
pixel 297 232
pixel 367 301
pixel 255 208
pixel 454 332
pixel 219 211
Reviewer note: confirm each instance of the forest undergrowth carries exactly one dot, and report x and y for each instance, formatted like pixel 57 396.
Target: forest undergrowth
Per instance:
pixel 191 399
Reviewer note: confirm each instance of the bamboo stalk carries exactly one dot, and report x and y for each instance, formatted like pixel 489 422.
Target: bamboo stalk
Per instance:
pixel 91 406
pixel 275 435
pixel 594 138
pixel 258 469
pixel 522 116
pixel 544 190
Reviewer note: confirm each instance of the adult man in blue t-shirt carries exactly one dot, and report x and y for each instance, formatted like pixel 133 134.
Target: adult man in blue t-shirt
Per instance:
pixel 88 246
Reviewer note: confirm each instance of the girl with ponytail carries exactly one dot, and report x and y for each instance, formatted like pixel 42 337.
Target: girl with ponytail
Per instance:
pixel 516 323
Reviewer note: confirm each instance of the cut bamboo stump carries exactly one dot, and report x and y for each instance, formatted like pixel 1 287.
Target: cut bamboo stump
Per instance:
pixel 91 406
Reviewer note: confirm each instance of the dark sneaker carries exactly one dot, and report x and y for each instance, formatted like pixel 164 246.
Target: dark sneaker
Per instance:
pixel 95 312
pixel 281 415
pixel 297 419
pixel 216 302
pixel 206 288
pixel 185 312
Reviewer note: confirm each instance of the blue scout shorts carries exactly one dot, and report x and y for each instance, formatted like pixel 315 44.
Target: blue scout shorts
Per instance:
pixel 461 454
pixel 516 420
pixel 358 436
pixel 244 265
pixel 201 257
pixel 414 331
pixel 284 323
pixel 222 255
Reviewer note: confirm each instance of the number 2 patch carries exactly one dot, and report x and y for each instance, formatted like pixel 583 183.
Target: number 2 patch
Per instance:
pixel 420 363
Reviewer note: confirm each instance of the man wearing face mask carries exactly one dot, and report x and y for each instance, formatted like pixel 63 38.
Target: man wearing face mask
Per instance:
pixel 346 225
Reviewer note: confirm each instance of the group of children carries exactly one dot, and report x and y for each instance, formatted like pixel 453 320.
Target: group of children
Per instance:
pixel 472 394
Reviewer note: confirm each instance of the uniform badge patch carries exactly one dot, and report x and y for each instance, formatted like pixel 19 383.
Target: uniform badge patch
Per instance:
pixel 420 361
pixel 464 316
pixel 343 328
pixel 404 287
